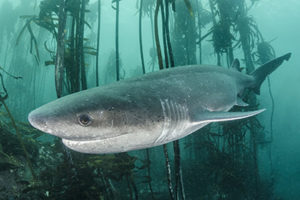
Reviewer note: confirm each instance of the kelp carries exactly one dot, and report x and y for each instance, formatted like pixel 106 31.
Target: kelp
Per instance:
pixel 60 52
pixel 184 36
pixel 117 9
pixel 71 57
pixel 216 162
pixel 158 48
pixel 98 42
pixel 189 7
pixel 73 171
pixel 14 125
pixel 33 41
pixel 141 37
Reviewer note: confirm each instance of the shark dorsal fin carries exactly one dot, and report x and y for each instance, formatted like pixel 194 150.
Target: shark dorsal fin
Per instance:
pixel 208 117
pixel 235 65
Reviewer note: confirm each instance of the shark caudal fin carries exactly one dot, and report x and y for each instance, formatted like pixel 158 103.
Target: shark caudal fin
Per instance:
pixel 263 71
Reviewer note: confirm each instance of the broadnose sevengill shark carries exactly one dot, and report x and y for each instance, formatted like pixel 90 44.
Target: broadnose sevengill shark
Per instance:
pixel 150 110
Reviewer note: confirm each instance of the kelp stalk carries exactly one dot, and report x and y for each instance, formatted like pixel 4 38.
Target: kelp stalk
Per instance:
pixel 160 62
pixel 163 24
pixel 140 36
pixel 73 72
pixel 158 49
pixel 199 31
pixel 152 32
pixel 148 172
pixel 98 42
pixel 20 139
pixel 130 183
pixel 117 41
pixel 77 50
pixel 136 194
pixel 81 38
pixel 171 57
pixel 2 100
pixel 211 5
pixel 178 175
pixel 144 71
pixel 243 28
pixel 60 53
pixel 177 167
pixel 169 175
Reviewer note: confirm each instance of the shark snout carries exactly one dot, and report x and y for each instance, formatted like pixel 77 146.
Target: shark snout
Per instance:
pixel 42 121
pixel 37 121
pixel 48 121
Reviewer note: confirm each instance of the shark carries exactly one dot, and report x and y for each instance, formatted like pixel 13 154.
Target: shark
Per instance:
pixel 150 110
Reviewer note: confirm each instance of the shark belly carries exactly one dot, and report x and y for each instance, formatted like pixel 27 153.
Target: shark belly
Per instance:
pixel 130 142
pixel 122 143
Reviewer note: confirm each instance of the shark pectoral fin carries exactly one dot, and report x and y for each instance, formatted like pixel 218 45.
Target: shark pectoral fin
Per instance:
pixel 207 117
pixel 240 102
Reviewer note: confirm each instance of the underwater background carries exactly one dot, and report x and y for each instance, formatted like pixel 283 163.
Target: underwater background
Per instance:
pixel 101 41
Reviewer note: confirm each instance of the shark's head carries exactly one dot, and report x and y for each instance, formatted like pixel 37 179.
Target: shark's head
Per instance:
pixel 81 116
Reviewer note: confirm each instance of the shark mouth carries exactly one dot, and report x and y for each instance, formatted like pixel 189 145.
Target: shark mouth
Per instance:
pixel 121 143
pixel 99 146
pixel 87 146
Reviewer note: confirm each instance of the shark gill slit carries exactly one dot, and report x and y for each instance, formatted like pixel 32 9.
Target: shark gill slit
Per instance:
pixel 165 124
pixel 174 117
pixel 175 121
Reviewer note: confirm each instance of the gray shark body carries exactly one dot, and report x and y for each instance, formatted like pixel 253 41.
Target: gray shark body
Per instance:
pixel 151 110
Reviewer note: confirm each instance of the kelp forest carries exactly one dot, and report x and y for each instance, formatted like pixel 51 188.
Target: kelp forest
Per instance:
pixel 52 48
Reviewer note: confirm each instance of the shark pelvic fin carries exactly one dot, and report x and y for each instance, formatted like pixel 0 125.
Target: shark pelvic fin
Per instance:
pixel 208 117
pixel 240 102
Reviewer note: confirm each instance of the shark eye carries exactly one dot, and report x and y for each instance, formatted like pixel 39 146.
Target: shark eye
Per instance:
pixel 84 120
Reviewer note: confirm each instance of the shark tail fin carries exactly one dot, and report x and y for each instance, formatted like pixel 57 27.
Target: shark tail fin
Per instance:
pixel 263 71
